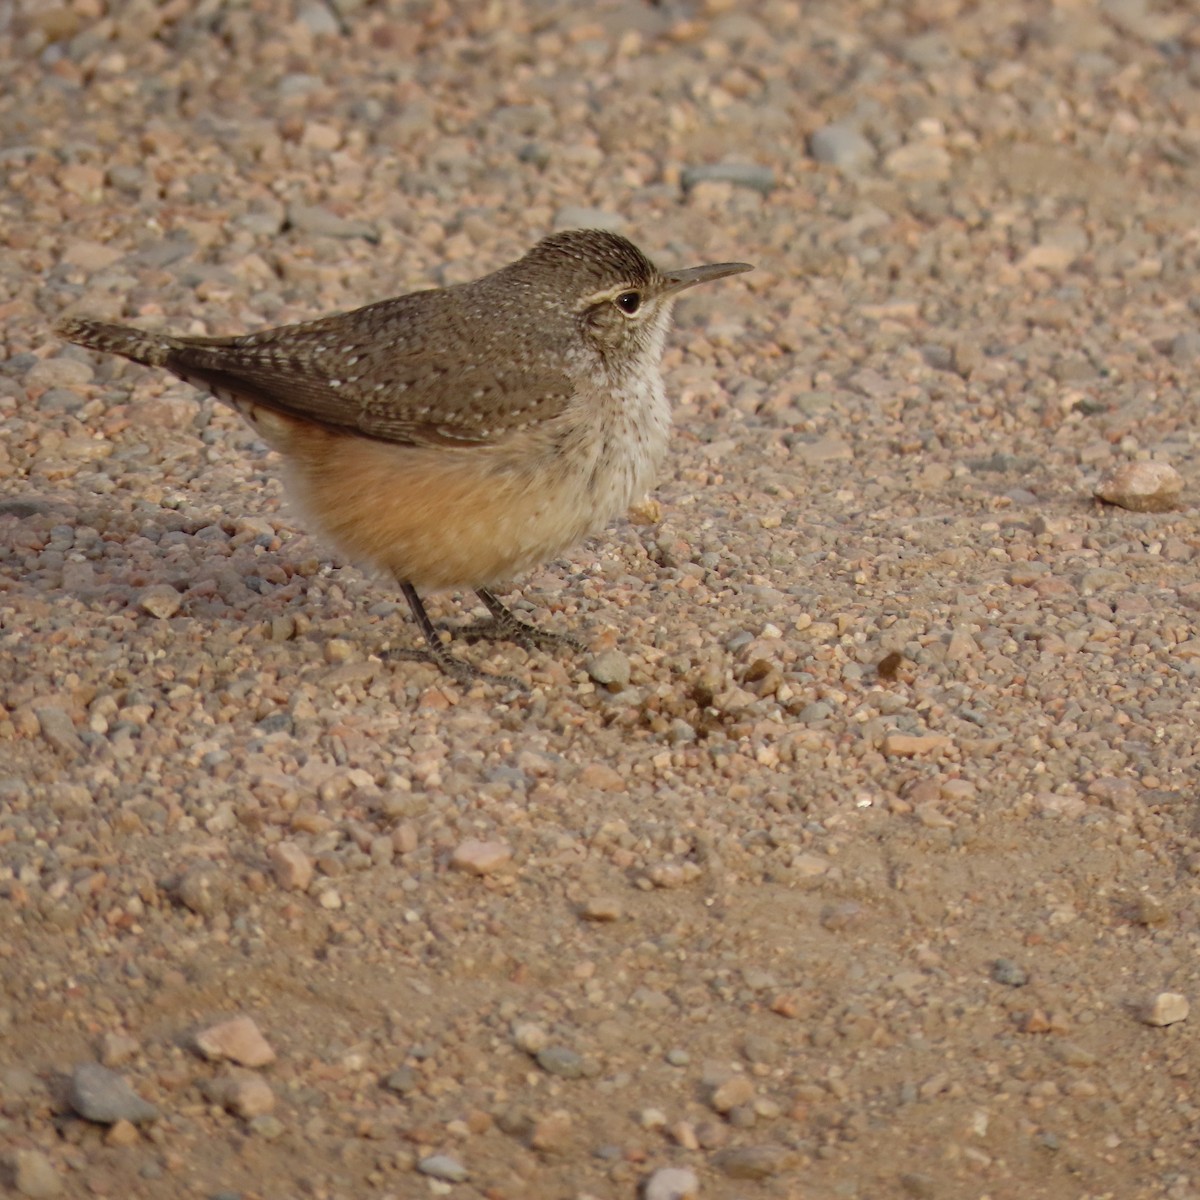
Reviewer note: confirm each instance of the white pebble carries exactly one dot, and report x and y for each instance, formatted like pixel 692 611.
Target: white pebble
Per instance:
pixel 672 1183
pixel 1167 1008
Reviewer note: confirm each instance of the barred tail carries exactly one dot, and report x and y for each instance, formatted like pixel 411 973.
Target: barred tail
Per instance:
pixel 151 349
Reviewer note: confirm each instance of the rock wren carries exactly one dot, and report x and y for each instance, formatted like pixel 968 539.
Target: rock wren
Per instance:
pixel 459 436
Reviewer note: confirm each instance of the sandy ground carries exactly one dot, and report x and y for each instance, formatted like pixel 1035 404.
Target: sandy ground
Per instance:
pixel 859 855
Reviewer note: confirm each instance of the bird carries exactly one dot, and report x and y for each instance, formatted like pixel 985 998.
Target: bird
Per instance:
pixel 457 437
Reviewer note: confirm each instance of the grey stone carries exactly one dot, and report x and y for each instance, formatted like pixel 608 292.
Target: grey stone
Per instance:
pixel 24 509
pixel 161 253
pixel 103 1096
pixel 442 1166
pixel 320 222
pixel 125 178
pixel 1007 972
pixel 931 51
pixel 561 1061
pixel 299 83
pixel 1185 347
pixel 319 19
pixel 842 146
pixel 402 1081
pixel 814 711
pixel 744 175
pixel 267 1126
pixel 59 730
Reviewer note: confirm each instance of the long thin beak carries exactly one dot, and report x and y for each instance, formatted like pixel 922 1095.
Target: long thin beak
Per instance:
pixel 676 281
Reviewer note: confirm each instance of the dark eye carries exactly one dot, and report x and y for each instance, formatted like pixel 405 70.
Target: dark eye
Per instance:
pixel 629 302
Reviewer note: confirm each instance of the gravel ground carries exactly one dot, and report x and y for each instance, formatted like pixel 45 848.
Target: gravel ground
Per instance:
pixel 859 859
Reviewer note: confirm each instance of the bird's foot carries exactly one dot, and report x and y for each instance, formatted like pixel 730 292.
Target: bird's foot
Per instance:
pixel 461 672
pixel 437 652
pixel 505 626
pixel 520 633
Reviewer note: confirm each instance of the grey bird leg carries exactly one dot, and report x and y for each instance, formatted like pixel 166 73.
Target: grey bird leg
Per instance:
pixel 505 626
pixel 437 653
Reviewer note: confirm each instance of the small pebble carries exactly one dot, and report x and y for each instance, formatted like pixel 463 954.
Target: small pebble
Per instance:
pixel 1149 911
pixel 1167 1008
pixel 248 1096
pixel 318 19
pixel 684 1133
pixel 574 216
pixel 841 146
pixel 312 219
pixel 671 1183
pixel 1073 1054
pixel 203 890
pixel 753 1162
pixel 744 175
pixel 338 650
pixel 268 1127
pixel 763 1050
pixel 1007 972
pixel 610 668
pixel 480 858
pixel 402 1081
pixel 237 1040
pixel 712 1135
pixel 602 777
pixel 561 1061
pixel 901 745
pixel 647 511
pixel 810 866
pixel 673 875
pixel 18 1081
pixel 841 916
pixel 1142 487
pixel 58 729
pixel 442 1166
pixel 551 1134
pixel 922 160
pixel 602 909
pixel 735 1091
pixel 116 1048
pixel 293 868
pixel 160 601
pixel 34 1175
pixel 918 1185
pixel 1185 347
pixel 121 1133
pixel 530 1037
pixel 59 372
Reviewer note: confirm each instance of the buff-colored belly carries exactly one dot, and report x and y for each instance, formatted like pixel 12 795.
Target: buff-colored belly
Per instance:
pixel 440 517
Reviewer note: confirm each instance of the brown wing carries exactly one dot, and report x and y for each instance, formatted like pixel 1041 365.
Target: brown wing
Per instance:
pixel 422 368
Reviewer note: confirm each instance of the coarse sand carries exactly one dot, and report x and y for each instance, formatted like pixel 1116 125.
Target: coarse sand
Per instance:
pixel 858 855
